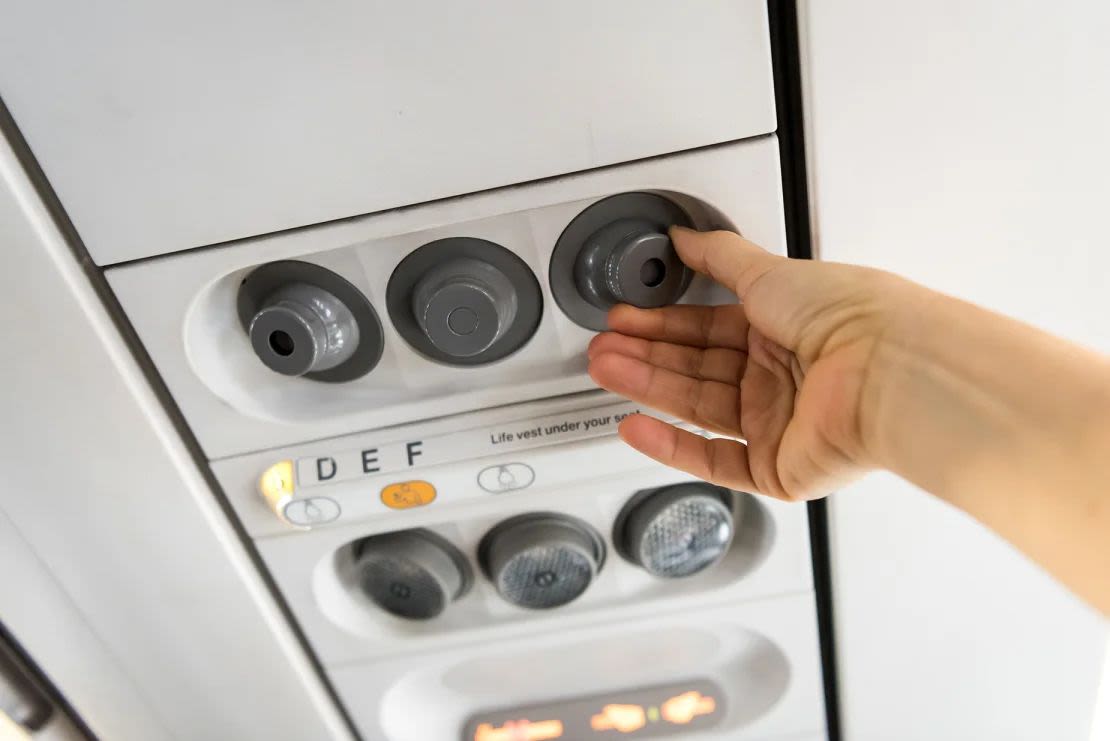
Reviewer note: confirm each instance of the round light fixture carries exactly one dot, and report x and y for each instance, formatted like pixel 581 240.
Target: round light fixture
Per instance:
pixel 677 531
pixel 412 574
pixel 542 560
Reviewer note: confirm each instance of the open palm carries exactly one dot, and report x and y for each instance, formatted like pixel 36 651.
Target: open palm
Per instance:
pixel 788 408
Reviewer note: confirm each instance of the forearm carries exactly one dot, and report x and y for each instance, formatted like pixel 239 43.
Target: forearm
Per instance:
pixel 1007 423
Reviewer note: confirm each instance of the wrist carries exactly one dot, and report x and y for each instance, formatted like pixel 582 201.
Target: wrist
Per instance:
pixel 907 381
pixel 957 396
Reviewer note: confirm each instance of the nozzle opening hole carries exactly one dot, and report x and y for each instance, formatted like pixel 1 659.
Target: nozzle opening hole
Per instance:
pixel 281 343
pixel 652 272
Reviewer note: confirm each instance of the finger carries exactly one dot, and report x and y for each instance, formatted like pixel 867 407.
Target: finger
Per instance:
pixel 726 257
pixel 706 364
pixel 697 326
pixel 719 461
pixel 709 404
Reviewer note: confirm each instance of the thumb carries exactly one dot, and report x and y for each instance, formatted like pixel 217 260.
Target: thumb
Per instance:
pixel 798 304
pixel 726 257
pixel 738 264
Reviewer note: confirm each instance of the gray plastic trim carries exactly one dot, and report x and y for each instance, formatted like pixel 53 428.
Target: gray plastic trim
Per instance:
pixel 509 538
pixel 436 555
pixel 267 280
pixel 586 302
pixel 464 306
pixel 645 505
pixel 303 329
pixel 425 260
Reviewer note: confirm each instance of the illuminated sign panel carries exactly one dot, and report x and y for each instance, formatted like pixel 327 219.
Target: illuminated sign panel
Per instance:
pixel 645 712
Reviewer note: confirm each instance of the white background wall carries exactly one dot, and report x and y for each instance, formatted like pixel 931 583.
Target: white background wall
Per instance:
pixel 965 144
pixel 1100 725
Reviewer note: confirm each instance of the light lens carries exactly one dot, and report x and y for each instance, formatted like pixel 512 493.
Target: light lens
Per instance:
pixel 679 531
pixel 545 576
pixel 541 560
pixel 412 574
pixel 403 588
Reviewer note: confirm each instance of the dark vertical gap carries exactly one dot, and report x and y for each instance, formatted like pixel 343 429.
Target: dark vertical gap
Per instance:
pixel 10 131
pixel 786 60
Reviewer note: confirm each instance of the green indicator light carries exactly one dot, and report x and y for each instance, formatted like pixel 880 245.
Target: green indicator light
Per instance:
pixel 653 714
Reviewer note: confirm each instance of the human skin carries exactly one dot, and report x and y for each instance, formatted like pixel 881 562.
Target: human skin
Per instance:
pixel 825 371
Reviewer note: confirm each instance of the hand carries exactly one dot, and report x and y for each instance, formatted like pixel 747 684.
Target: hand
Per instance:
pixel 788 370
pixel 829 370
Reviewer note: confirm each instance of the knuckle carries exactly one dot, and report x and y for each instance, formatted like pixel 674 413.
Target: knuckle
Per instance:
pixel 696 362
pixel 706 324
pixel 791 485
pixel 715 464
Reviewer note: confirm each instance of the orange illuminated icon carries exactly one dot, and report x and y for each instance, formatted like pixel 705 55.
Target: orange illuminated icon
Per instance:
pixel 683 708
pixel 623 718
pixel 520 730
pixel 408 494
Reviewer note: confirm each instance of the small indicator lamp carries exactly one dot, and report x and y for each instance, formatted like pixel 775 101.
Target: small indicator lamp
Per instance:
pixel 408 494
pixel 276 487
